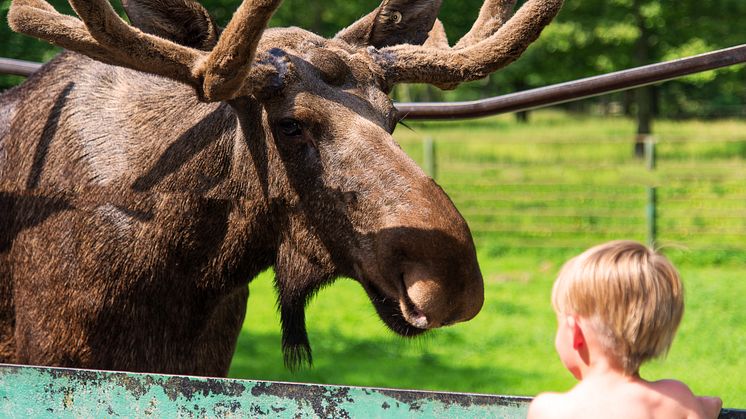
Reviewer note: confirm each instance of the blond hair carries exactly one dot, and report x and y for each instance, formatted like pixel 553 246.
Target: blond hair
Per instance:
pixel 631 295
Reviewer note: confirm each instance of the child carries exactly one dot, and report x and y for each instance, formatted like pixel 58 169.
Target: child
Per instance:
pixel 618 304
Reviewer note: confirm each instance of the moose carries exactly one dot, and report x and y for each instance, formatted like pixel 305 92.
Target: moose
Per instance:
pixel 153 168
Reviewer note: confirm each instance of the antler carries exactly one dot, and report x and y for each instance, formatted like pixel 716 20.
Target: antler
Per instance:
pixel 493 15
pixel 492 43
pixel 102 34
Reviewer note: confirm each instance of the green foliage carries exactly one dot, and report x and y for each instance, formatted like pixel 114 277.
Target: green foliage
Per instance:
pixel 596 37
pixel 589 37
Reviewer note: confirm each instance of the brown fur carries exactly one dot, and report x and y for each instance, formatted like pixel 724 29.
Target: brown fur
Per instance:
pixel 133 212
pixel 493 15
pixel 394 22
pixel 174 20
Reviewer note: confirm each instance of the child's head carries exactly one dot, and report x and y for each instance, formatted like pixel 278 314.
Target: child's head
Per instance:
pixel 630 295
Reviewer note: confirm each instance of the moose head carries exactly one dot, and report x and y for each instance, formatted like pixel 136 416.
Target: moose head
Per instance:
pixel 307 126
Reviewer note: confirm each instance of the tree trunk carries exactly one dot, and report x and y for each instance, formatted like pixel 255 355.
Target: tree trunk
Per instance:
pixel 643 96
pixel 628 99
pixel 522 116
pixel 317 22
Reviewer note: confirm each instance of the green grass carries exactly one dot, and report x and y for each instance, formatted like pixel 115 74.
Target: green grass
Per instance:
pixel 537 194
pixel 507 349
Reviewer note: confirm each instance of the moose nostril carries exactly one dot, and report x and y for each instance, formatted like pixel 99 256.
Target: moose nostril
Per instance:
pixel 420 320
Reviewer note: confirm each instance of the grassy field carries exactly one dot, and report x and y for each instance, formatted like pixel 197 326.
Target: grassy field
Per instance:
pixel 569 181
pixel 534 195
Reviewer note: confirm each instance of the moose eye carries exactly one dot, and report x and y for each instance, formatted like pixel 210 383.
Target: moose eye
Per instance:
pixel 396 17
pixel 290 127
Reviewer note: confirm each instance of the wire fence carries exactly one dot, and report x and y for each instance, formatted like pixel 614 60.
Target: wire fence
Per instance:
pixel 691 196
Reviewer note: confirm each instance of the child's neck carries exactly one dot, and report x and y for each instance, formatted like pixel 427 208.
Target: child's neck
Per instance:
pixel 600 366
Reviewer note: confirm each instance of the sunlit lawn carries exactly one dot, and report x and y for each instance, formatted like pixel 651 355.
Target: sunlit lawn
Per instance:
pixel 508 348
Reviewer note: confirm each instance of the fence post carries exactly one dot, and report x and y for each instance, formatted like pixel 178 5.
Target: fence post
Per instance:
pixel 651 210
pixel 429 157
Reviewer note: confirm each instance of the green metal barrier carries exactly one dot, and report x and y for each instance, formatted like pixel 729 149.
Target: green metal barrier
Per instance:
pixel 60 393
pixel 55 392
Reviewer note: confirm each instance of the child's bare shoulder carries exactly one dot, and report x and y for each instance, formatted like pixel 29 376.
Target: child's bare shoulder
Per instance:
pixel 674 390
pixel 549 405
pixel 678 396
pixel 673 387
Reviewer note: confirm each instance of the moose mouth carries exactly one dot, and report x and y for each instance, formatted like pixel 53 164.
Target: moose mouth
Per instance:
pixel 392 310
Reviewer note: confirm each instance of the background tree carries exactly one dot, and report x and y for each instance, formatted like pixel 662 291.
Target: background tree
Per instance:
pixel 592 37
pixel 589 37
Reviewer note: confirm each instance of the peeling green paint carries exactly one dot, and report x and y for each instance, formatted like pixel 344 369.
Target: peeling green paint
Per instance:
pixel 66 393
pixel 61 393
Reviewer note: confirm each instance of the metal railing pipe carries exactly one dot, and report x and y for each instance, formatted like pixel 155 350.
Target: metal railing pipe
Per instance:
pixel 577 89
pixel 18 67
pixel 535 98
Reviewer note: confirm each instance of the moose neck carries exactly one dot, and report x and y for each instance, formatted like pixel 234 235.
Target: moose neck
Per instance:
pixel 216 155
pixel 169 194
pixel 157 157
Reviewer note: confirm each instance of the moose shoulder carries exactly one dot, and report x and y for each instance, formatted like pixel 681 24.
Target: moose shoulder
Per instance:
pixel 151 171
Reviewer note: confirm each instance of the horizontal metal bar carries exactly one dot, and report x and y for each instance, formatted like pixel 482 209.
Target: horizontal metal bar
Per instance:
pixel 574 90
pixel 535 98
pixel 18 67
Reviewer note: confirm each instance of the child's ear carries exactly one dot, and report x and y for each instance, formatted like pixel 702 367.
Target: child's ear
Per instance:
pixel 578 339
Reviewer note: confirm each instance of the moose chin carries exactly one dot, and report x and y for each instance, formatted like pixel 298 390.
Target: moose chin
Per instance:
pixel 152 169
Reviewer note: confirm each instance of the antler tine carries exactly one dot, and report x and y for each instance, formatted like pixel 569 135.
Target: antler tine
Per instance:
pixel 437 37
pixel 446 67
pixel 492 15
pixel 39 19
pixel 136 49
pixel 230 61
pixel 102 34
pixel 219 76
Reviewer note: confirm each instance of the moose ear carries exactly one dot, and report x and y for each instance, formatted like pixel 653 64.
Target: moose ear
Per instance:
pixel 394 22
pixel 185 22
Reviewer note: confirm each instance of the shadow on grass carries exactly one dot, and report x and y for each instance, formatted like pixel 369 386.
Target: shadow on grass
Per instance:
pixel 391 363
